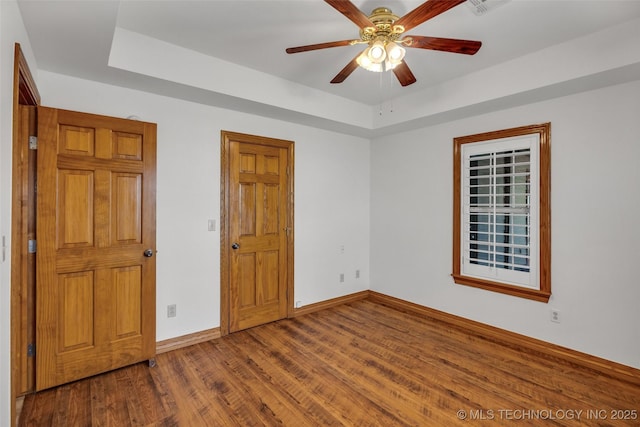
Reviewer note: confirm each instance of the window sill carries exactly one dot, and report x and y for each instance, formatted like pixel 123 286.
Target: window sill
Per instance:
pixel 532 294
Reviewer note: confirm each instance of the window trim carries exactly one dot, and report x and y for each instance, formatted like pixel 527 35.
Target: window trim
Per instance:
pixel 543 291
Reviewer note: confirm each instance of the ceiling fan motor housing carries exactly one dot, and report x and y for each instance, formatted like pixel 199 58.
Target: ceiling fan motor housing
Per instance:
pixel 383 20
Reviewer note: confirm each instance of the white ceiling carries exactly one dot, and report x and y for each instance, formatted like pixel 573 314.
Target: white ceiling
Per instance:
pixel 75 37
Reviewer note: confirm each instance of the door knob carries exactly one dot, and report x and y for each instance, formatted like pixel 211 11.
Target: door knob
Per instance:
pixel 235 246
pixel 148 253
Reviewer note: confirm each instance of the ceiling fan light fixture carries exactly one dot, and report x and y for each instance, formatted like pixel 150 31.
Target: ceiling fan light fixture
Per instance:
pixel 376 52
pixel 363 59
pixel 381 55
pixel 365 62
pixel 395 53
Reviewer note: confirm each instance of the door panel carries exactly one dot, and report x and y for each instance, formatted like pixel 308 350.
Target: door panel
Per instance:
pixel 126 215
pixel 75 314
pixel 76 140
pixel 75 208
pixel 259 221
pixel 127 302
pixel 95 305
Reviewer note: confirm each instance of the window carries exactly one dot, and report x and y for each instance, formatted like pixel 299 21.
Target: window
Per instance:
pixel 501 236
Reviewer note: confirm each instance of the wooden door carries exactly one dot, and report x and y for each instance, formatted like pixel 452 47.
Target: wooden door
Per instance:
pixel 95 286
pixel 259 229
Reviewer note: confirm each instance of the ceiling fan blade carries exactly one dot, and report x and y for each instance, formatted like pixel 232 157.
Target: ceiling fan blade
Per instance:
pixel 466 47
pixel 350 10
pixel 346 71
pixel 426 11
pixel 404 74
pixel 319 46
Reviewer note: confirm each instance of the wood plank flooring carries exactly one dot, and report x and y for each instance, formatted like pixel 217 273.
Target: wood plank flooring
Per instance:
pixel 359 364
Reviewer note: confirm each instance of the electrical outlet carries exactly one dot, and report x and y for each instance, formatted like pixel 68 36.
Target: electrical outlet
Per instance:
pixel 357 274
pixel 171 310
pixel 555 315
pixel 341 277
pixel 211 225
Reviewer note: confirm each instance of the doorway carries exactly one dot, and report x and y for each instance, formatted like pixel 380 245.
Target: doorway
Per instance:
pixel 123 146
pixel 25 99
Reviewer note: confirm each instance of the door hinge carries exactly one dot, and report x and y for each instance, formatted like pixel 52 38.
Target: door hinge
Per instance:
pixel 31 350
pixel 33 143
pixel 31 246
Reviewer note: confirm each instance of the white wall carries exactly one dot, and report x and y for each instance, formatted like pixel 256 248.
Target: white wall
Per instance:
pixel 11 31
pixel 595 140
pixel 331 198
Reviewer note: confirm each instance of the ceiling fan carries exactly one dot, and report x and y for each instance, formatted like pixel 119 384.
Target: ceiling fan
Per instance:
pixel 383 33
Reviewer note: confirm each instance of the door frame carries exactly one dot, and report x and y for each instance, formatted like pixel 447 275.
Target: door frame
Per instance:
pixel 225 239
pixel 25 92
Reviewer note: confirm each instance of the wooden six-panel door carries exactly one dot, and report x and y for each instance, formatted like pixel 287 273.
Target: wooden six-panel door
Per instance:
pixel 260 233
pixel 95 278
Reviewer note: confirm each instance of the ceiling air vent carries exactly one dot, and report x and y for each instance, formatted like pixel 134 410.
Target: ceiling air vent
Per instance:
pixel 481 7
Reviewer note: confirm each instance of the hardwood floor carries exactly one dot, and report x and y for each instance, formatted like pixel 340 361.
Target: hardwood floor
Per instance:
pixel 361 364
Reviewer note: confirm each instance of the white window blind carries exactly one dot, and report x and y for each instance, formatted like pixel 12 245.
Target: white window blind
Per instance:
pixel 500 210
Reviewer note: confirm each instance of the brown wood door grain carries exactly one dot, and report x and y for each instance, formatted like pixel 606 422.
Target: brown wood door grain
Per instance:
pixel 95 288
pixel 259 221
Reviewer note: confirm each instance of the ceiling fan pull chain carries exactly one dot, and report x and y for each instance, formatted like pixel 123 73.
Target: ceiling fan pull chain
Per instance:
pixel 380 92
pixel 390 85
